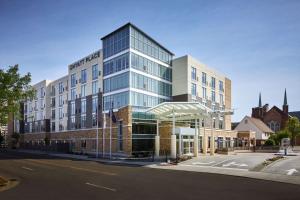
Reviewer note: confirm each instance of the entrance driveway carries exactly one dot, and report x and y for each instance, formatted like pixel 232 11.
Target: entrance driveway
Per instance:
pixel 288 166
pixel 242 161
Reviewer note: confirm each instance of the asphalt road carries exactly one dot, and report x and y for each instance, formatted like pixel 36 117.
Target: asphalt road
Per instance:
pixel 45 177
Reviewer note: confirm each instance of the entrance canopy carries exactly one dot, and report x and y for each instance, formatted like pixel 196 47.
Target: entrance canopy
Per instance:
pixel 180 110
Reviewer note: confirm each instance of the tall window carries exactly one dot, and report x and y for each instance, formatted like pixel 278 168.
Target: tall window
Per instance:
pixel 83 121
pixel 194 89
pixel 204 93
pixel 73 94
pixel 73 80
pixel 204 78
pixel 95 72
pixel 83 90
pixel 213 82
pixel 213 96
pixel 194 74
pixel 72 122
pixel 60 87
pixel 83 106
pixel 83 76
pixel 95 87
pixel 60 113
pixel 221 99
pixel 94 104
pixel 42 92
pixel 221 86
pixel 73 108
pixel 60 100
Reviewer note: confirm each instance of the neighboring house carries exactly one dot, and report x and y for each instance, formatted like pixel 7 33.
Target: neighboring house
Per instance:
pixel 250 124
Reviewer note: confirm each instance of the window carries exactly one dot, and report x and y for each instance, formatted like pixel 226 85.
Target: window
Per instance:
pixel 60 100
pixel 120 135
pixel 83 90
pixel 213 82
pixel 95 71
pixel 95 87
pixel 83 106
pixel 83 121
pixel 60 87
pixel 60 113
pixel 72 108
pixel 73 94
pixel 73 80
pixel 194 89
pixel 116 82
pixel 221 100
pixel 204 93
pixel 194 74
pixel 83 76
pixel 204 78
pixel 94 104
pixel 72 125
pixel 94 119
pixel 213 96
pixel 221 86
pixel 42 94
pixel 116 64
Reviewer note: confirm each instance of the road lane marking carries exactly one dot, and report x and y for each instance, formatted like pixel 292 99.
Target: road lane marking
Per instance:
pixel 27 168
pixel 101 187
pixel 76 168
pixel 222 162
pixel 235 164
pixel 291 171
pixel 206 167
pixel 203 163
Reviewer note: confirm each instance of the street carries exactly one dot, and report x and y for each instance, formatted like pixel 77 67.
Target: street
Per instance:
pixel 46 177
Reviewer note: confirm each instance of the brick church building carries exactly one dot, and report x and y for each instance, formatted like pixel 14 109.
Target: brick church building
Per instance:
pixel 275 118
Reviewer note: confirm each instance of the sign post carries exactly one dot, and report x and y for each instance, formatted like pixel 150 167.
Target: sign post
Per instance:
pixel 285 143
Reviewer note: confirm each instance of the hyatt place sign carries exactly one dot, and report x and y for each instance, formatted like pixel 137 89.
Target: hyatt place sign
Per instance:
pixel 85 60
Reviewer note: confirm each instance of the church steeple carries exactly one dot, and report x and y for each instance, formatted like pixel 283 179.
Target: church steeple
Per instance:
pixel 259 101
pixel 285 107
pixel 285 98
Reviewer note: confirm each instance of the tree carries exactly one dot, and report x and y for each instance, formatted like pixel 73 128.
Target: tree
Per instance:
pixel 13 89
pixel 293 127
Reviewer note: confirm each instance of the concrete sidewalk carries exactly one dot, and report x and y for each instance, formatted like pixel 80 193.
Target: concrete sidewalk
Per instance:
pixel 114 160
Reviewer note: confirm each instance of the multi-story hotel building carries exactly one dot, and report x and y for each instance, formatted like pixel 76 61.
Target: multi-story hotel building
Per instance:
pixel 59 104
pixel 132 74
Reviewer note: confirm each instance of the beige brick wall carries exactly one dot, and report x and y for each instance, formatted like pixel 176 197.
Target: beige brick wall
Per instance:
pixel 227 103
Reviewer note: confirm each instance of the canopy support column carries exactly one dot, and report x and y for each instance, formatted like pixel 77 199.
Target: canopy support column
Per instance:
pixel 196 143
pixel 157 140
pixel 204 139
pixel 212 138
pixel 173 139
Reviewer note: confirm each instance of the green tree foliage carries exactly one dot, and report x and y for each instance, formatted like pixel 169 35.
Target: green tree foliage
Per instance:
pixel 293 127
pixel 13 89
pixel 277 137
pixel 1 138
pixel 269 142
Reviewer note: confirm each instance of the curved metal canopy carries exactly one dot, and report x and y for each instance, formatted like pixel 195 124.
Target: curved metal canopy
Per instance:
pixel 179 110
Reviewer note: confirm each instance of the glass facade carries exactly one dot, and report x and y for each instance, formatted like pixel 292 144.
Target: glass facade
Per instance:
pixel 144 44
pixel 119 100
pixel 116 82
pixel 115 65
pixel 150 67
pixel 143 100
pixel 116 42
pixel 148 84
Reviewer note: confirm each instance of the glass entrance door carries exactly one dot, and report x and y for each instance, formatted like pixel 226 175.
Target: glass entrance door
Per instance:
pixel 188 144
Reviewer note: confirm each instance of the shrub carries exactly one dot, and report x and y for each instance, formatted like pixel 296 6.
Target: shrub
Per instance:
pixel 270 142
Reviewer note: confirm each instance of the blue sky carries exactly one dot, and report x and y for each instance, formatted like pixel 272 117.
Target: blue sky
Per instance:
pixel 255 43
